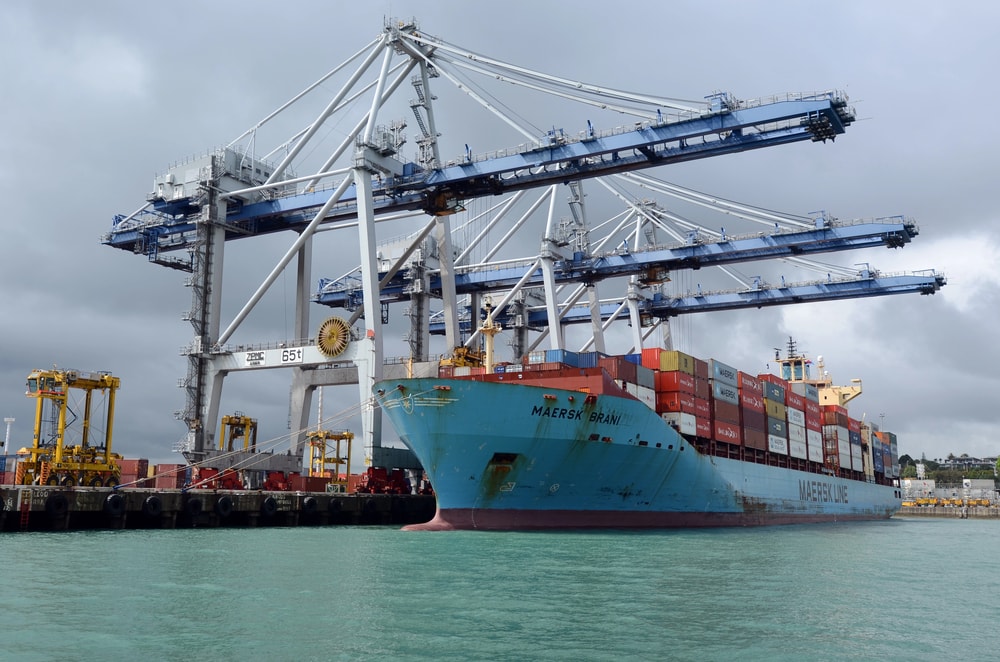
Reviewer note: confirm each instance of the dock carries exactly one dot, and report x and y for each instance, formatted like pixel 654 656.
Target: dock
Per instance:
pixel 44 508
pixel 953 512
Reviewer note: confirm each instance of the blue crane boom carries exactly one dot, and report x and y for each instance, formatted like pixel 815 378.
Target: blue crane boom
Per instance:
pixel 866 284
pixel 169 221
pixel 828 236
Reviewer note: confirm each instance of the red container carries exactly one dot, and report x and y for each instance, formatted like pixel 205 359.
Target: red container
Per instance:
pixel 748 382
pixel 774 379
pixel 702 408
pixel 308 483
pixel 725 412
pixel 702 387
pixel 703 426
pixel 701 369
pixel 755 420
pixel 853 425
pixel 675 380
pixel 618 368
pixel 727 432
pixel 675 401
pixel 752 401
pixel 794 400
pixel 755 439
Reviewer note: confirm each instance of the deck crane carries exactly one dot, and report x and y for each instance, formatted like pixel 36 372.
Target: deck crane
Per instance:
pixel 237 193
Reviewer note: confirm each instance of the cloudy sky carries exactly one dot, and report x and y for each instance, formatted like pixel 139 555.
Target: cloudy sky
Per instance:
pixel 99 97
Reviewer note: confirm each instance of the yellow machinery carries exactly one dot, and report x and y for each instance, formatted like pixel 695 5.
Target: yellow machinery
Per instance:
pixel 55 460
pixel 236 427
pixel 319 445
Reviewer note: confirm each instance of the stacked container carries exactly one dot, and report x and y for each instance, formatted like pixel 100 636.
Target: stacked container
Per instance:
pixel 702 399
pixel 836 441
pixel 776 411
pixel 795 417
pixel 753 420
pixel 814 429
pixel 725 402
pixel 854 435
pixel 674 384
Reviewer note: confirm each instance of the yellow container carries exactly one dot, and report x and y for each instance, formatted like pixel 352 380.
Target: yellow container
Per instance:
pixel 774 409
pixel 675 360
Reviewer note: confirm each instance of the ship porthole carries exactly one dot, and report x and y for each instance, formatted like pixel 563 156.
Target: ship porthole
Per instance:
pixel 553 488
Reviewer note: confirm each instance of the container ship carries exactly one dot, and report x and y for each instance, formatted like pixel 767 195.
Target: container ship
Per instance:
pixel 652 440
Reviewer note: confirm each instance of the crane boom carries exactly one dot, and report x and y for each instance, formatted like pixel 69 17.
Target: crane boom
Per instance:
pixel 866 284
pixel 169 220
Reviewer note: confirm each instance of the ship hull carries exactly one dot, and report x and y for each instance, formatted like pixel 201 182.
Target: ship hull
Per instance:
pixel 511 456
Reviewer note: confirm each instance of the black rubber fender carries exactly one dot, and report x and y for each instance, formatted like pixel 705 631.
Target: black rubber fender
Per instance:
pixel 309 505
pixel 193 506
pixel 224 506
pixel 269 506
pixel 114 504
pixel 152 506
pixel 335 506
pixel 57 505
pixel 370 506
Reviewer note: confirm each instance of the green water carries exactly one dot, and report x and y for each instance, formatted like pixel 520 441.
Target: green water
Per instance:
pixel 896 590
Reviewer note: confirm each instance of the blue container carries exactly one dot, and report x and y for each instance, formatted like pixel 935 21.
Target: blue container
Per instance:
pixel 587 359
pixel 563 356
pixel 634 358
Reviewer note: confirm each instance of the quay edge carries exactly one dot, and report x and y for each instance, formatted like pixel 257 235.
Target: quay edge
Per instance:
pixel 45 508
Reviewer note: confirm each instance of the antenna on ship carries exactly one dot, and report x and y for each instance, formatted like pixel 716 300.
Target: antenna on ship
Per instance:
pixel 6 439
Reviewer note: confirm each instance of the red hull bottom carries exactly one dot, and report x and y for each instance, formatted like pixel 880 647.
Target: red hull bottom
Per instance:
pixel 513 520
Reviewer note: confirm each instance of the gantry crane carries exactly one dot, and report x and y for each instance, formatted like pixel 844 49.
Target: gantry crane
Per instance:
pixel 53 458
pixel 237 192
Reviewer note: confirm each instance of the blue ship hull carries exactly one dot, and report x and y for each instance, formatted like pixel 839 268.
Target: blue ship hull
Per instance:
pixel 514 456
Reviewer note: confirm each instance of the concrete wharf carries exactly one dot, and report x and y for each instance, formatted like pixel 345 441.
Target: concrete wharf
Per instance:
pixel 44 508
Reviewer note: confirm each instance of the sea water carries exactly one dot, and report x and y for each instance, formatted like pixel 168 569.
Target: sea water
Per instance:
pixel 917 589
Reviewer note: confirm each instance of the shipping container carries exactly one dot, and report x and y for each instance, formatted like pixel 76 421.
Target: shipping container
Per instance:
pixel 588 359
pixel 807 391
pixel 798 449
pixel 794 400
pixel 796 433
pixel 682 422
pixel 702 407
pixel 725 411
pixel 778 427
pixel 772 391
pixel 856 462
pixel 667 359
pixel 721 372
pixel 749 383
pixel 645 376
pixel 775 409
pixel 645 395
pixel 725 392
pixel 700 368
pixel 814 442
pixel 752 401
pixel 795 417
pixel 753 438
pixel 777 444
pixel 535 357
pixel 854 425
pixel 561 356
pixel 756 420
pixel 675 401
pixel 702 387
pixel 675 380
pixel 704 427
pixel 727 432
pixel 619 368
